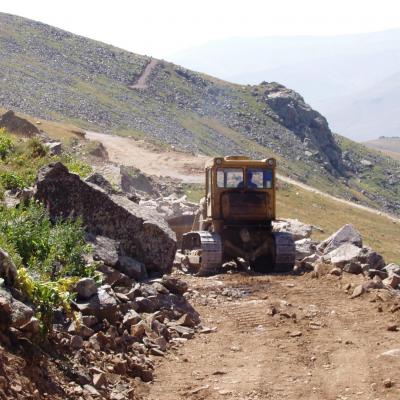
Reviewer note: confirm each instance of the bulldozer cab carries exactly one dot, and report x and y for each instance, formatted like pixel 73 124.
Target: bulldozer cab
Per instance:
pixel 240 190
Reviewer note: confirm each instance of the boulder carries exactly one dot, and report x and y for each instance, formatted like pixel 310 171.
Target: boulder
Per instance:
pixel 131 267
pixel 143 235
pixel 104 249
pixel 21 314
pixel 102 305
pixel 347 234
pixel 55 148
pixel 344 254
pixel 86 287
pixel 174 285
pixel 393 281
pixel 370 257
pixel 305 247
pixel 298 229
pixel 15 124
pixel 99 180
pixel 8 271
pixel 391 269
pixel 132 180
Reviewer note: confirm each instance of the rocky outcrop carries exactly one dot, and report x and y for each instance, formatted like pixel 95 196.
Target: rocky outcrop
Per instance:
pixel 18 125
pixel 309 125
pixel 141 234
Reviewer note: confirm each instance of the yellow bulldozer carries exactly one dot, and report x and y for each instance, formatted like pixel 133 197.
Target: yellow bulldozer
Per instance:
pixel 235 220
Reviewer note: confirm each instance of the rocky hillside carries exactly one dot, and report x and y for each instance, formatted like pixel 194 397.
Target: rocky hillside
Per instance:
pixel 53 74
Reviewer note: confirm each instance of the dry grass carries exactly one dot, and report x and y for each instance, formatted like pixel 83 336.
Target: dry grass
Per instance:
pixel 64 132
pixel 378 231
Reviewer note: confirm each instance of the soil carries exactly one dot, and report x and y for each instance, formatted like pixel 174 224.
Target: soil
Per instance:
pixel 320 344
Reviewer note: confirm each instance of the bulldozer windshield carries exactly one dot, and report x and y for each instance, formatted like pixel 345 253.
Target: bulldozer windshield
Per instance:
pixel 256 178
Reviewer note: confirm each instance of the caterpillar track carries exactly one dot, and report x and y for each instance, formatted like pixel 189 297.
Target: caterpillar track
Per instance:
pixel 205 253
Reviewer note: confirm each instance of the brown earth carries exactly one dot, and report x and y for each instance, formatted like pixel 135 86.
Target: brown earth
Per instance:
pixel 319 345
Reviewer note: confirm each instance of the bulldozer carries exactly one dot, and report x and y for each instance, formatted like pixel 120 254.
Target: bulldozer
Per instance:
pixel 235 219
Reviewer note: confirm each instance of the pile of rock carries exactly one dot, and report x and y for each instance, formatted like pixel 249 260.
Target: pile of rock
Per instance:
pixel 344 252
pixel 127 324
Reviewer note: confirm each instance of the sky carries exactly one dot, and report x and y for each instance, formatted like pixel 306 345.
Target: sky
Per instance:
pixel 161 28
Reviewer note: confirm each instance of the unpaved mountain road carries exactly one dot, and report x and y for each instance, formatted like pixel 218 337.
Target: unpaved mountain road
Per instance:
pixel 141 83
pixel 319 345
pixel 187 167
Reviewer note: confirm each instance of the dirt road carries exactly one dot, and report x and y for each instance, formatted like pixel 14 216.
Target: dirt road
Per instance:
pixel 141 83
pixel 187 167
pixel 318 345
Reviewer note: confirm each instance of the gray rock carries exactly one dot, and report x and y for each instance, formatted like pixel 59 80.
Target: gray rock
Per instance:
pixel 344 254
pixel 101 305
pixel 305 247
pixel 104 249
pixel 86 287
pixel 99 180
pixel 8 271
pixel 392 269
pixel 76 342
pixel 55 148
pixel 142 234
pixel 33 326
pixel 353 268
pixel 174 285
pixel 298 229
pixel 372 258
pixel 21 314
pixel 131 318
pixel 347 234
pixel 131 267
pixel 113 277
pixel 393 281
pixel 80 329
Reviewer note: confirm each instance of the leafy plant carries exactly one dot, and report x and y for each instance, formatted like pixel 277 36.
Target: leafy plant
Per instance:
pixel 46 297
pixel 6 144
pixel 36 148
pixel 53 250
pixel 11 181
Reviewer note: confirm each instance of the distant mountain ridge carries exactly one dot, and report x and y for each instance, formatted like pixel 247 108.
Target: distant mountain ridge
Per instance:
pixel 342 76
pixel 53 74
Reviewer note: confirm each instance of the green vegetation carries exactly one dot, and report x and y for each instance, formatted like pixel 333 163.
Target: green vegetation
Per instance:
pixel 49 255
pixel 22 158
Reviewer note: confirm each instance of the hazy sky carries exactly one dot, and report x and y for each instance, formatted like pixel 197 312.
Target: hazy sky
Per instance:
pixel 161 28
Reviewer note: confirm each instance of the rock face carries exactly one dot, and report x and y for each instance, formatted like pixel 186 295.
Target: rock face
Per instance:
pixel 18 125
pixel 142 235
pixel 309 125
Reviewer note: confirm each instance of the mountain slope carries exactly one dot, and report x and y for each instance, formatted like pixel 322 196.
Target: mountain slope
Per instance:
pixel 387 145
pixel 329 71
pixel 52 74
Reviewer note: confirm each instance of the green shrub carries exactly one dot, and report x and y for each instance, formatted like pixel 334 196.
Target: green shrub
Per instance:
pixel 12 181
pixel 6 144
pixel 52 250
pixel 36 148
pixel 78 167
pixel 46 297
